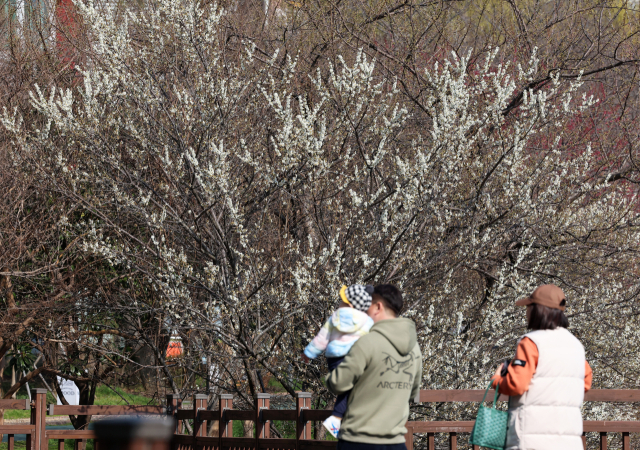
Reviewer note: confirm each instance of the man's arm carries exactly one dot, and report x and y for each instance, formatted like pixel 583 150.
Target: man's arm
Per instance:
pixel 344 377
pixel 417 380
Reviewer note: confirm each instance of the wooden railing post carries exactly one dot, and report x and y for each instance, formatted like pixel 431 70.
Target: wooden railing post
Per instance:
pixel 225 428
pixel 431 441
pixel 603 440
pixel 408 438
pixel 626 441
pixel 174 402
pixel 263 430
pixel 303 428
pixel 199 402
pixel 453 441
pixel 38 418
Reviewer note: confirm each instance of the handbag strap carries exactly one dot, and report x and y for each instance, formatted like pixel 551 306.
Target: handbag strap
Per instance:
pixel 487 391
pixel 495 396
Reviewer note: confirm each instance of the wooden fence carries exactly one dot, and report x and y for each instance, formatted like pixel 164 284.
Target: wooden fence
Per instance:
pixel 303 416
pixel 454 428
pixel 12 430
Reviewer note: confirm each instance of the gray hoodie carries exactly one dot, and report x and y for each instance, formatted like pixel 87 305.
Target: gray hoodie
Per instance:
pixel 384 369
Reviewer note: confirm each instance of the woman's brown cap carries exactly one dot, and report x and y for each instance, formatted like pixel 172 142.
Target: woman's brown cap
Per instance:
pixel 548 295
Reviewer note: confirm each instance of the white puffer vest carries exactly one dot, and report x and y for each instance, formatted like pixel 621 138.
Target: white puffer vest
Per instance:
pixel 547 416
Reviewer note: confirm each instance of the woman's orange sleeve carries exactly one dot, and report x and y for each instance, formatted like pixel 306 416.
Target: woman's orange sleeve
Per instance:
pixel 588 376
pixel 521 369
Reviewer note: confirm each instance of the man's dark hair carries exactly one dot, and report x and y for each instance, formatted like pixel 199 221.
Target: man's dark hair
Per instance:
pixel 390 296
pixel 545 318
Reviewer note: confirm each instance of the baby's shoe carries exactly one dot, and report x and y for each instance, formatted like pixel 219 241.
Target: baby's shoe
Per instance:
pixel 333 425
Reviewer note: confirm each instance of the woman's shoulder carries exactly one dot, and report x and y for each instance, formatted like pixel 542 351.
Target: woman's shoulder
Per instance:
pixel 536 333
pixel 552 336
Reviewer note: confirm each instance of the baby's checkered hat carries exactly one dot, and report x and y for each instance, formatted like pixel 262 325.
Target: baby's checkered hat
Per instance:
pixel 358 296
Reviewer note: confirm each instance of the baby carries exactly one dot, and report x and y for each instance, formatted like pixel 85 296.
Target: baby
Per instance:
pixel 336 337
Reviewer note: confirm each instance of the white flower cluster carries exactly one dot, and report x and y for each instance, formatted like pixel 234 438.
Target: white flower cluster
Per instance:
pixel 247 190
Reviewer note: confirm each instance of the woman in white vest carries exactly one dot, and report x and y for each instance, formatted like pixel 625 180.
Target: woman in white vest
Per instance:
pixel 547 379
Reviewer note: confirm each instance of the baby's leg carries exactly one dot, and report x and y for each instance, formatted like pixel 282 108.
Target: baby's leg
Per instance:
pixel 332 363
pixel 340 408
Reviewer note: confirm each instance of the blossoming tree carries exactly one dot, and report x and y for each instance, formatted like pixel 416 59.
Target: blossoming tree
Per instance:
pixel 244 188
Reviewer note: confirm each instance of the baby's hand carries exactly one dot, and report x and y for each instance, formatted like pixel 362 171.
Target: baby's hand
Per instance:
pixel 305 358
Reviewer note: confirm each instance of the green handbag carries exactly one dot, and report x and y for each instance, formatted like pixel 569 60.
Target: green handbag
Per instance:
pixel 490 429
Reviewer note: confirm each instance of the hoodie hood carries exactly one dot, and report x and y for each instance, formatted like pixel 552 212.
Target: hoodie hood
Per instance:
pixel 401 333
pixel 350 320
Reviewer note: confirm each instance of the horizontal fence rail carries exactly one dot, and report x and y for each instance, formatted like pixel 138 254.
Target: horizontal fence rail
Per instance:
pixel 104 410
pixel 476 395
pixel 200 419
pixel 18 404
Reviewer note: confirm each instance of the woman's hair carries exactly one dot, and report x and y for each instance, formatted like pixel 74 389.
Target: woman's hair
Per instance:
pixel 545 318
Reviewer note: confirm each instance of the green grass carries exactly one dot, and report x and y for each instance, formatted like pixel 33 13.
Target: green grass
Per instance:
pixel 16 414
pixel 104 396
pixel 275 385
pixel 107 396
